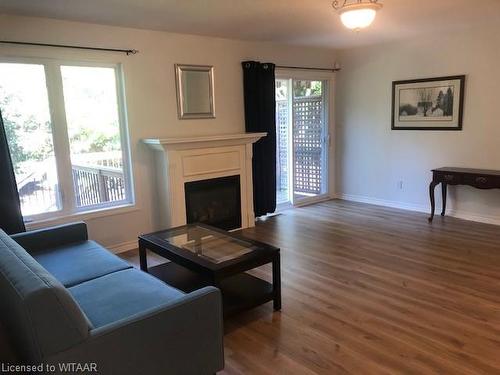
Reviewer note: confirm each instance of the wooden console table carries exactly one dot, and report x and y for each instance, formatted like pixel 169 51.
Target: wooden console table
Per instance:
pixel 478 178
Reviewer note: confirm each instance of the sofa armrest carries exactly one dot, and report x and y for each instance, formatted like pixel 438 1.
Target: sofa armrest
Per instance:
pixel 47 238
pixel 182 337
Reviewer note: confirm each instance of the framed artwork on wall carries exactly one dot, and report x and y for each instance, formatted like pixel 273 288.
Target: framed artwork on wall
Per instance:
pixel 195 91
pixel 428 104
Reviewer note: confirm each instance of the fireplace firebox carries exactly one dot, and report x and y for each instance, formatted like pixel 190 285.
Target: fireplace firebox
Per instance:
pixel 216 201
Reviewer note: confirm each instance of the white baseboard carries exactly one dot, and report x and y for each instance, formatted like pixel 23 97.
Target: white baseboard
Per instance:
pixel 488 219
pixel 123 247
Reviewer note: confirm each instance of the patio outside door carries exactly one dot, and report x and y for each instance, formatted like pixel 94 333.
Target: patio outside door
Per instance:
pixel 302 140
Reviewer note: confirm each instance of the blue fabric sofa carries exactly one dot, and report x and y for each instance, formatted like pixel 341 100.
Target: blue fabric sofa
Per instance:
pixel 65 299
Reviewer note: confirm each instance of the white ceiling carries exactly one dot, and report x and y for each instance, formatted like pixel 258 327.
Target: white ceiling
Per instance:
pixel 301 22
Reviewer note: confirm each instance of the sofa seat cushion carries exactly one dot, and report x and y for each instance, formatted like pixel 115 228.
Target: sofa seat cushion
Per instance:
pixel 121 295
pixel 79 262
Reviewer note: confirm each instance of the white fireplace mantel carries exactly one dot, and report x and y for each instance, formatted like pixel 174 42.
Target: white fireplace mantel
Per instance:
pixel 207 141
pixel 181 160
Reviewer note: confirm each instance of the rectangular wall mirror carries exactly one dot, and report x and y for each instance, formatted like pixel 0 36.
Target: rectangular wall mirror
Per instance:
pixel 195 91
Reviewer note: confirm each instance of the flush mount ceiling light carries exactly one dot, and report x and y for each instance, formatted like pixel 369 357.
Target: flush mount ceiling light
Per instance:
pixel 357 14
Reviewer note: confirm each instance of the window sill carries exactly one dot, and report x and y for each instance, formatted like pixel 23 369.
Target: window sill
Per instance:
pixel 78 216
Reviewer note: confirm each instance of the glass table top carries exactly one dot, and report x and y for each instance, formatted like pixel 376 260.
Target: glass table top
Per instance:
pixel 211 245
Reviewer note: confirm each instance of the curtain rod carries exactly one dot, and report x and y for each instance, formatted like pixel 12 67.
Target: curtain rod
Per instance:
pixel 127 51
pixel 336 69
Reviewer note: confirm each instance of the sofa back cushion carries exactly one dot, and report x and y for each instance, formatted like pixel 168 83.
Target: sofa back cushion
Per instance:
pixel 41 316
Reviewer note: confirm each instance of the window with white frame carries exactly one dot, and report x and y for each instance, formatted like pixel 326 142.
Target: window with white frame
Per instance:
pixel 65 125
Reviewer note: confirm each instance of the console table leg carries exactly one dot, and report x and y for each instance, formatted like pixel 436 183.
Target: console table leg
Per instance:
pixel 444 190
pixel 142 258
pixel 277 283
pixel 432 187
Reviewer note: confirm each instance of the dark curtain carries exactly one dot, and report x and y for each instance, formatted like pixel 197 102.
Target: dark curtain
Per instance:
pixel 260 116
pixel 11 219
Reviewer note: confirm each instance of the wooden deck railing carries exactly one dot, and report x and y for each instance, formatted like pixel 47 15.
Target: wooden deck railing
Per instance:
pixel 97 184
pixel 97 178
pixel 37 193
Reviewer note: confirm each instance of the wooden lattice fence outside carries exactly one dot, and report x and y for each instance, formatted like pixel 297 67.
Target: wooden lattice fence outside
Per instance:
pixel 282 145
pixel 308 138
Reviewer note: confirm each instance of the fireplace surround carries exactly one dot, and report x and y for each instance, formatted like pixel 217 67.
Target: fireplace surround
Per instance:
pixel 180 161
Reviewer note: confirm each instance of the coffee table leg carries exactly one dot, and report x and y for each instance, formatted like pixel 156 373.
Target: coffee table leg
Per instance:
pixel 142 257
pixel 277 282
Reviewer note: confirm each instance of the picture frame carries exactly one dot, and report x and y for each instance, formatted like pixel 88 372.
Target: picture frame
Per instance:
pixel 428 104
pixel 195 91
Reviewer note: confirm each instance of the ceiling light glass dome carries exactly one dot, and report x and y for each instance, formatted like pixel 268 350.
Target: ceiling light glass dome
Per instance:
pixel 358 15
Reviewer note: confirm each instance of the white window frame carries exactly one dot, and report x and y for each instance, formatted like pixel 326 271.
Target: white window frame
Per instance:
pixel 66 194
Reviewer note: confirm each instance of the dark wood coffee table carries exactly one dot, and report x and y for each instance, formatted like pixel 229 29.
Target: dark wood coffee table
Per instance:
pixel 202 255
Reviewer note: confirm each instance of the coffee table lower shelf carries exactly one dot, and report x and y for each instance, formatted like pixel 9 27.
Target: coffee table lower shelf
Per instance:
pixel 240 292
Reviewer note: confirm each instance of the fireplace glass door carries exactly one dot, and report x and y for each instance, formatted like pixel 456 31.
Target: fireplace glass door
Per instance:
pixel 215 201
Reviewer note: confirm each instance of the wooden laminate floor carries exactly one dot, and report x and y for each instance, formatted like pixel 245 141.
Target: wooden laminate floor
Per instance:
pixel 373 290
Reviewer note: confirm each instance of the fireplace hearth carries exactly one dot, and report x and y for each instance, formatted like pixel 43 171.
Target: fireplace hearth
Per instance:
pixel 215 201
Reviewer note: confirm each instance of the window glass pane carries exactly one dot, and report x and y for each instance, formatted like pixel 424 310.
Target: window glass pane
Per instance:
pixel 306 88
pixel 25 110
pixel 283 139
pixel 309 130
pixel 94 134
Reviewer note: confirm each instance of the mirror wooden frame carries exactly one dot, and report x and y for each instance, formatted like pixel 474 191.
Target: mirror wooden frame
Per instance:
pixel 179 69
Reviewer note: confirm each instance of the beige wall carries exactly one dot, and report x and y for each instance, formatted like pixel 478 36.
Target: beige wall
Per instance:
pixel 372 159
pixel 150 91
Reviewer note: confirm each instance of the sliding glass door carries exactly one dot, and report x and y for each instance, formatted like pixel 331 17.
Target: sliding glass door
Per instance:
pixel 302 140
